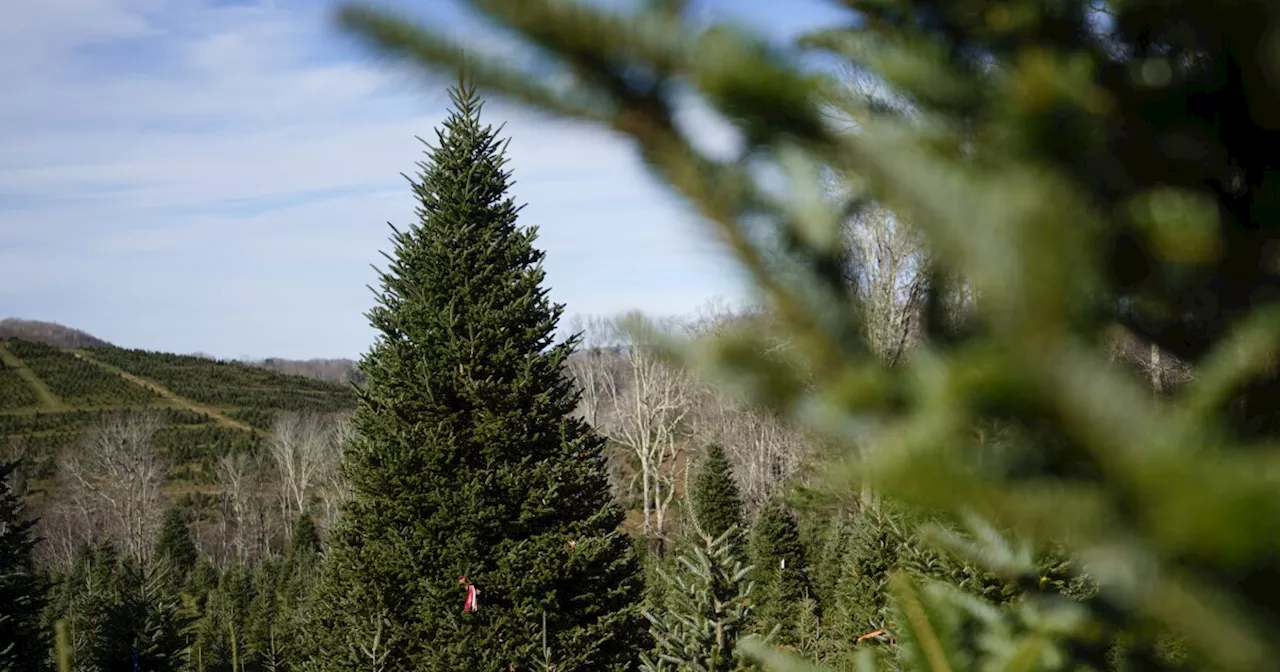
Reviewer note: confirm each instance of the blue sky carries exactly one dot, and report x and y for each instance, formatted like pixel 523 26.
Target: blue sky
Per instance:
pixel 216 176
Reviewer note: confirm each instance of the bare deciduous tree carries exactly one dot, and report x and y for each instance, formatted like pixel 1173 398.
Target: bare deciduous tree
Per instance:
pixel 246 525
pixel 650 400
pixel 766 454
pixel 596 360
pixel 889 275
pixel 115 480
pixel 333 488
pixel 302 447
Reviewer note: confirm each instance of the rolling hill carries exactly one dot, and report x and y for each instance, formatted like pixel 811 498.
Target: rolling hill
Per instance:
pixel 50 395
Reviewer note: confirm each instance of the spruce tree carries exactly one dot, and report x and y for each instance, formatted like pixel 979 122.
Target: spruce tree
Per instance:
pixel 781 576
pixel 175 548
pixel 708 607
pixel 468 461
pixel 305 543
pixel 717 506
pixel 23 639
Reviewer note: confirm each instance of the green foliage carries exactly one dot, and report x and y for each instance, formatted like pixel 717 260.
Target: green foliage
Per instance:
pixel 468 459
pixel 23 639
pixel 75 381
pixel 15 392
pixel 1073 166
pixel 174 547
pixel 714 498
pixel 92 392
pixel 780 572
pixel 118 614
pixel 708 607
pixel 230 385
pixel 305 542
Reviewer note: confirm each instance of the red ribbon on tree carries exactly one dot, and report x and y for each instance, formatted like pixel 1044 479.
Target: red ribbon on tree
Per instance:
pixel 472 603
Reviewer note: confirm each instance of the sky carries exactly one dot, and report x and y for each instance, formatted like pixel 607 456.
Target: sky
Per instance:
pixel 217 176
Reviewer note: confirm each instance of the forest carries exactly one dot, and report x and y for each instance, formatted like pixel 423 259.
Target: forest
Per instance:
pixel 1004 399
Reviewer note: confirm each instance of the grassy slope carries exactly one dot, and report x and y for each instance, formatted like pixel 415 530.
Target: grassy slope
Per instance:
pixel 34 383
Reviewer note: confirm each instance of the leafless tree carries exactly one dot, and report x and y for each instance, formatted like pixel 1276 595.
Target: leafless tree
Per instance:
pixel 64 526
pixel 650 399
pixel 597 359
pixel 332 487
pixel 889 275
pixel 302 445
pixel 247 526
pixel 114 479
pixel 766 454
pixel 599 367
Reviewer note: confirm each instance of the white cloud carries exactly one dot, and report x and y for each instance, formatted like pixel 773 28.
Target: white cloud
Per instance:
pixel 190 176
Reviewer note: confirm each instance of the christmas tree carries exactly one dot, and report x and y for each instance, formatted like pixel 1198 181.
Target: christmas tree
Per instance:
pixel 23 639
pixel 714 498
pixel 780 574
pixel 469 470
pixel 708 607
pixel 175 548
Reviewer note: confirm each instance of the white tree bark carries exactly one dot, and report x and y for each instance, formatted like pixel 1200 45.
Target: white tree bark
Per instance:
pixel 115 480
pixel 333 488
pixel 302 448
pixel 650 399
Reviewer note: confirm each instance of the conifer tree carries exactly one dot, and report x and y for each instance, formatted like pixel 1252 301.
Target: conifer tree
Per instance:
pixel 468 461
pixel 1074 165
pixel 175 548
pixel 23 639
pixel 305 542
pixel 717 506
pixel 708 607
pixel 780 573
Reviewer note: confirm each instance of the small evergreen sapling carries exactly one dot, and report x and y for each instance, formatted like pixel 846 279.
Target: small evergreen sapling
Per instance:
pixel 174 547
pixel 707 610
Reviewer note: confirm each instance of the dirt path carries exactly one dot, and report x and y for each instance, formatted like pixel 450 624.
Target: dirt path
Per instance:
pixel 192 406
pixel 49 399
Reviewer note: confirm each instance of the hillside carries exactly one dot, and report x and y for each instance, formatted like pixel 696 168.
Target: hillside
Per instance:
pixel 50 333
pixel 331 370
pixel 335 370
pixel 49 396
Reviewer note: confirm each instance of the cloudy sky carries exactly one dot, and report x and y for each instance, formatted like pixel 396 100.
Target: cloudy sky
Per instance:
pixel 216 176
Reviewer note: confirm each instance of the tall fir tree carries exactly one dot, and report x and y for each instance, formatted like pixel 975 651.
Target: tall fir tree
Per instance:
pixel 23 639
pixel 468 460
pixel 717 505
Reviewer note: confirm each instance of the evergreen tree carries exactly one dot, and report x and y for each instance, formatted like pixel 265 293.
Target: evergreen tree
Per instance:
pixel 174 547
pixel 23 638
pixel 781 576
pixel 717 506
pixel 708 608
pixel 468 460
pixel 306 540
pixel 144 628
pixel 120 616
